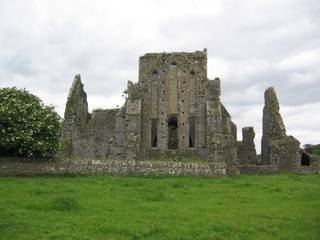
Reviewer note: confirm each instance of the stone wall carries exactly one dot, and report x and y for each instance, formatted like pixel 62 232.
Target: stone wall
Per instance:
pixel 140 168
pixel 246 150
pixel 285 153
pixel 110 167
pixel 85 134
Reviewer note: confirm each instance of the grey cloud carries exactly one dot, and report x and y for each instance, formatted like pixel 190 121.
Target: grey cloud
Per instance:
pixel 251 45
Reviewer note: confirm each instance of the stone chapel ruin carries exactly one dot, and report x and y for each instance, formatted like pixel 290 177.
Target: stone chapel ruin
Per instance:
pixel 174 108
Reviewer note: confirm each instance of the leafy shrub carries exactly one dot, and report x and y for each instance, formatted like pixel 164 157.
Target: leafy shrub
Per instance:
pixel 27 126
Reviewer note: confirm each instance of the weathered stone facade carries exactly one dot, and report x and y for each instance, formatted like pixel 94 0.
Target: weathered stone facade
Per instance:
pixel 272 124
pixel 86 135
pixel 111 167
pixel 276 147
pixel 247 153
pixel 172 109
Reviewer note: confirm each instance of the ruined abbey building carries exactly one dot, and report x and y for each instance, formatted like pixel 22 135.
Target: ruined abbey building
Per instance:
pixel 174 108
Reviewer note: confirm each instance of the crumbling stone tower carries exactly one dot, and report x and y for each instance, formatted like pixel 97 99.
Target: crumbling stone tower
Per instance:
pixel 84 134
pixel 174 107
pixel 276 147
pixel 246 148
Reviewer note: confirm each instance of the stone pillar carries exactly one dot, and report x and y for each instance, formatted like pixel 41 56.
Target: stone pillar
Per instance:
pixel 277 148
pixel 133 118
pixel 272 124
pixel 246 149
pixel 76 118
pixel 214 127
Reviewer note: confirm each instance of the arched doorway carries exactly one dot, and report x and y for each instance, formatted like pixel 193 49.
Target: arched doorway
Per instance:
pixel 305 159
pixel 173 132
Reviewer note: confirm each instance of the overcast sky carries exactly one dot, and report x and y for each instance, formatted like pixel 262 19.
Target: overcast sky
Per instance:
pixel 252 44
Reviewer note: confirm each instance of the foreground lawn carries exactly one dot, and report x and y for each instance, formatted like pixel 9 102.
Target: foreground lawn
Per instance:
pixel 104 207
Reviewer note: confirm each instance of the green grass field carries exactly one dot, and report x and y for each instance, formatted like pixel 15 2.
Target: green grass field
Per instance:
pixel 104 207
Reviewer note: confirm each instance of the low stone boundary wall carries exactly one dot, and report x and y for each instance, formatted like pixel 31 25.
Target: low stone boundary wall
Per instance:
pixel 270 169
pixel 257 169
pixel 112 167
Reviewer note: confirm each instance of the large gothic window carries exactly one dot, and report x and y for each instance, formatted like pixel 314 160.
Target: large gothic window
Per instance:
pixel 173 132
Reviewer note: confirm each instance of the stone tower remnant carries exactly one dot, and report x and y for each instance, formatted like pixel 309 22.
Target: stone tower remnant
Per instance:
pixel 84 134
pixel 247 153
pixel 276 147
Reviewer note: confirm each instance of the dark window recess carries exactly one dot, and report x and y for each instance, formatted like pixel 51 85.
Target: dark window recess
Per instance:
pixel 155 72
pixel 305 159
pixel 172 132
pixel 192 132
pixel 154 131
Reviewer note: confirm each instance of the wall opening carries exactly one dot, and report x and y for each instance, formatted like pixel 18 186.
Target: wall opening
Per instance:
pixel 154 133
pixel 305 159
pixel 192 132
pixel 173 132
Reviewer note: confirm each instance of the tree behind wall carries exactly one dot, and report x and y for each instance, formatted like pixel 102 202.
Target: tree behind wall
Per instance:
pixel 27 126
pixel 312 148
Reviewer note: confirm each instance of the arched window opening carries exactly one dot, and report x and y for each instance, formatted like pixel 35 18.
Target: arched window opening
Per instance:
pixel 173 132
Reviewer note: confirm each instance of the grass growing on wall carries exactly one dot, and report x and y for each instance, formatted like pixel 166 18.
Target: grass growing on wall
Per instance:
pixel 283 206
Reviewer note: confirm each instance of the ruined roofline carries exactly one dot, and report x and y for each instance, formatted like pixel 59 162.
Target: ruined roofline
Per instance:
pixel 196 54
pixel 75 84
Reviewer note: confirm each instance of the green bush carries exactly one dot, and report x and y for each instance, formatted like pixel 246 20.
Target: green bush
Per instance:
pixel 312 149
pixel 27 126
